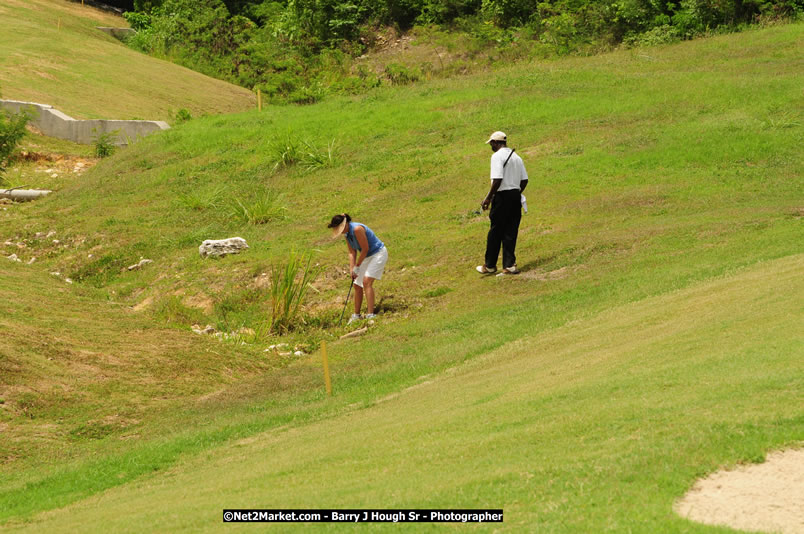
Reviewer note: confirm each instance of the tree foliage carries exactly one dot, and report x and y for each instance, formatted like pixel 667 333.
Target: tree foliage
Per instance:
pixel 294 49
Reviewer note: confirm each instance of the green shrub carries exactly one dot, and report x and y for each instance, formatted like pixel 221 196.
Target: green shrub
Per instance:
pixel 104 143
pixel 182 115
pixel 12 130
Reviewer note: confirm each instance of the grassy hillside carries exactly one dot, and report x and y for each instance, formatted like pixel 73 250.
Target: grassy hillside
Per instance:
pixel 665 202
pixel 595 426
pixel 51 52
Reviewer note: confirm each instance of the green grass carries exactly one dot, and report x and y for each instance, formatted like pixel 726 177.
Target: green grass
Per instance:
pixel 652 336
pixel 51 53
pixel 598 426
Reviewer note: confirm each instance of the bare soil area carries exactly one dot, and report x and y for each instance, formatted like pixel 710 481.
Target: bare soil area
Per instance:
pixel 767 497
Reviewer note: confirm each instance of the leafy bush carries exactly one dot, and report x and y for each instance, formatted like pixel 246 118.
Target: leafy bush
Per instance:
pixel 12 130
pixel 104 143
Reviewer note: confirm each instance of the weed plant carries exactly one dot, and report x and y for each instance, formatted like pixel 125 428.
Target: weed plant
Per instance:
pixel 289 285
pixel 289 150
pixel 202 199
pixel 104 143
pixel 265 208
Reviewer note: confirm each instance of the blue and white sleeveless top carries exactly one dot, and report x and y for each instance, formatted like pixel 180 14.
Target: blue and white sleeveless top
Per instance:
pixel 374 242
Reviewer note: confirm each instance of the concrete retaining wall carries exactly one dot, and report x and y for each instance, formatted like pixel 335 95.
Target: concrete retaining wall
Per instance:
pixel 54 123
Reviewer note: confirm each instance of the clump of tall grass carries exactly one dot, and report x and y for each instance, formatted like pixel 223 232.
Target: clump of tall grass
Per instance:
pixel 287 150
pixel 202 199
pixel 289 285
pixel 265 208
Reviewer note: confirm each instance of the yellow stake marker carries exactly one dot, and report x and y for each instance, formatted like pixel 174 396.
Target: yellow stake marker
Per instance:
pixel 326 367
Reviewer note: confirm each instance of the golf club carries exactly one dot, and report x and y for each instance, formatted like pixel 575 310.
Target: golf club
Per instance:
pixel 347 301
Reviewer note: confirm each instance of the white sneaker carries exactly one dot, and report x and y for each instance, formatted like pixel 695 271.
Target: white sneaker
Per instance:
pixel 370 316
pixel 353 318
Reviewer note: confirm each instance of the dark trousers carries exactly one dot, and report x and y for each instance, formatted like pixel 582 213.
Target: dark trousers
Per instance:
pixel 505 214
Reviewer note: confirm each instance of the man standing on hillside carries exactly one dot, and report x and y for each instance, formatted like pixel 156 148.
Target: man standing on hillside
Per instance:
pixel 508 180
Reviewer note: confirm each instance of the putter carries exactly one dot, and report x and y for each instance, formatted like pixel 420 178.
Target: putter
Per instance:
pixel 347 301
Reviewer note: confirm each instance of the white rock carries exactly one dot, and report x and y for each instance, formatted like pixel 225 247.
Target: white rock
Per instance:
pixel 50 234
pixel 298 353
pixel 222 247
pixel 139 265
pixel 31 261
pixel 69 281
pixel 14 257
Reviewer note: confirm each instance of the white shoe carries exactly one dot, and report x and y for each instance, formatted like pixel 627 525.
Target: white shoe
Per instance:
pixel 353 318
pixel 370 316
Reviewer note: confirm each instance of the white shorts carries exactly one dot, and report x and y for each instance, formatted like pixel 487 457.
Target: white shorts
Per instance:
pixel 373 266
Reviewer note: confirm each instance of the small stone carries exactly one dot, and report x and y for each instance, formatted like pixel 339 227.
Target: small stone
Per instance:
pixel 50 234
pixel 298 353
pixel 69 281
pixel 31 261
pixel 14 257
pixel 139 265
pixel 56 241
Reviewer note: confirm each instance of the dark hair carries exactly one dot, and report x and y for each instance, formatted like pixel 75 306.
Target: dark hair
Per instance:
pixel 338 219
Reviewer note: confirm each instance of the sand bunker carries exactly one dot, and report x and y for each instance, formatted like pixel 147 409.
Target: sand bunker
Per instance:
pixel 767 497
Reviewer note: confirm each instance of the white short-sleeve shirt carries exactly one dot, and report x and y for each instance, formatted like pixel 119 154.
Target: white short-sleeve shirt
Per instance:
pixel 513 173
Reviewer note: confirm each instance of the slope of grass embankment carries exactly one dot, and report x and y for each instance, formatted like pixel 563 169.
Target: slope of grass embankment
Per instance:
pixel 52 53
pixel 653 335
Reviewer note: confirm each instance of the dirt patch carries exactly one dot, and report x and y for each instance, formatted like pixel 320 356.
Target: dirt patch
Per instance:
pixel 200 301
pixel 144 305
pixel 547 276
pixel 766 497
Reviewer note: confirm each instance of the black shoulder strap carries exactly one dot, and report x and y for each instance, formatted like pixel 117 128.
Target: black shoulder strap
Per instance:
pixel 509 157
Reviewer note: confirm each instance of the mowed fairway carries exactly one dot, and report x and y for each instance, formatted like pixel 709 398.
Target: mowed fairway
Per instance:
pixel 597 425
pixel 52 53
